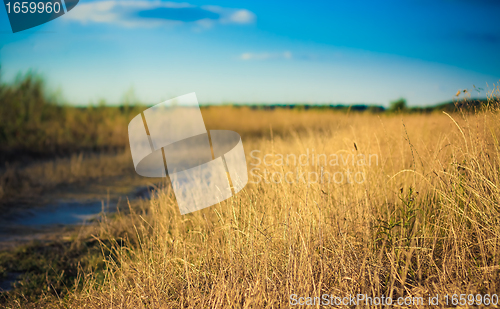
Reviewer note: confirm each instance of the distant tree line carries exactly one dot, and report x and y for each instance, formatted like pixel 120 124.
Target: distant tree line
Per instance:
pixel 397 106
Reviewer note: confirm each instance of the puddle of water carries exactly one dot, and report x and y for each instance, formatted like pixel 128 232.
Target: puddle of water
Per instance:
pixel 7 281
pixel 62 213
pixel 66 212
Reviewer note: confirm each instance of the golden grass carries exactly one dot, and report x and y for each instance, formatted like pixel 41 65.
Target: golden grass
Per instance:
pixel 424 221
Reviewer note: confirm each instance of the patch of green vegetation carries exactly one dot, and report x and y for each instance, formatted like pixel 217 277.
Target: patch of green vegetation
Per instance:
pixel 398 106
pixel 35 123
pixel 49 270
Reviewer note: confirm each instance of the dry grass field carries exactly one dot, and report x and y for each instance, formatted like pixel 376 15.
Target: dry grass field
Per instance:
pixel 378 204
pixel 423 220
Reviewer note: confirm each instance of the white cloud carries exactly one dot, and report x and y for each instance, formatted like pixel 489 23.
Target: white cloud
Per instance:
pixel 266 56
pixel 242 17
pixel 130 14
pixel 236 16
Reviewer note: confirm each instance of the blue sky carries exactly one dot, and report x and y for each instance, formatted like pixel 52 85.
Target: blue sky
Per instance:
pixel 262 51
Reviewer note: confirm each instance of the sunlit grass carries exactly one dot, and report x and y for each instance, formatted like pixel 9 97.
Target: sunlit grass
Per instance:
pixel 424 221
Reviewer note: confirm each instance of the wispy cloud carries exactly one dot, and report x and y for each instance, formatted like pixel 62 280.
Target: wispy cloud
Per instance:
pixel 266 56
pixel 157 13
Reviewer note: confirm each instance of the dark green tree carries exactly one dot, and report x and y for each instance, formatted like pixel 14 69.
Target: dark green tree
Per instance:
pixel 398 106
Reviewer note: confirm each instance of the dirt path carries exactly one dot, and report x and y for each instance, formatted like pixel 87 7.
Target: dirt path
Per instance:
pixel 66 208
